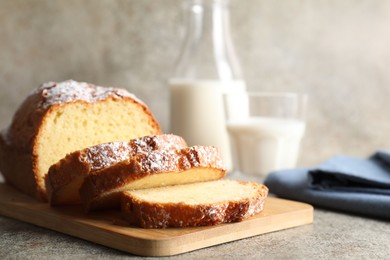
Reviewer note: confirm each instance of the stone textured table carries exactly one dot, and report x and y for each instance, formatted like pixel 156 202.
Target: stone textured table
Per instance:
pixel 331 236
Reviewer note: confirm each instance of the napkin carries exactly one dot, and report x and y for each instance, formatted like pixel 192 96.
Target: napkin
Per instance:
pixel 344 183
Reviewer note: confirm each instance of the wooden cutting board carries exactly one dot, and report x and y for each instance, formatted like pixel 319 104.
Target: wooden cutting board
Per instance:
pixel 107 227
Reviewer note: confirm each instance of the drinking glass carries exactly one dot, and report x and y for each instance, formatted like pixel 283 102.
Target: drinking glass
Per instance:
pixel 265 131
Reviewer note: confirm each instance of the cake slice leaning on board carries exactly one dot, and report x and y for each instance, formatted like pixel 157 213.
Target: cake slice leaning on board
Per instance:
pixel 196 204
pixel 102 189
pixel 60 118
pixel 65 178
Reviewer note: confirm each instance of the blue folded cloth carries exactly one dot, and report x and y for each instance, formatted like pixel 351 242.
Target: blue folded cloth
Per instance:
pixel 359 186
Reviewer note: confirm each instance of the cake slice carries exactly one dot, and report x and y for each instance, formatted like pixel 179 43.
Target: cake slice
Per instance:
pixel 64 178
pixel 101 189
pixel 196 204
pixel 60 118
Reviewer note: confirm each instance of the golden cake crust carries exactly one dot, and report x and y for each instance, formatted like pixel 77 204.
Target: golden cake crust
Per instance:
pixel 67 175
pixel 101 189
pixel 149 214
pixel 19 140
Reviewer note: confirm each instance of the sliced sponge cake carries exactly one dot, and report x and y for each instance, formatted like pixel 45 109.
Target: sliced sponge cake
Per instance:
pixel 197 204
pixel 65 177
pixel 101 189
pixel 60 118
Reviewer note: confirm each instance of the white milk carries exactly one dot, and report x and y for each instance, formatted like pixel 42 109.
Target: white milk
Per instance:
pixel 197 113
pixel 261 145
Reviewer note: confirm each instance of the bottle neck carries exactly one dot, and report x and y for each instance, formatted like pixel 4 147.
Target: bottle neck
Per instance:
pixel 208 52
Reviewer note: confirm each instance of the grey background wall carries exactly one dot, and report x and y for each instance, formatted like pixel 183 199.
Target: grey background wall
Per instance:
pixel 336 51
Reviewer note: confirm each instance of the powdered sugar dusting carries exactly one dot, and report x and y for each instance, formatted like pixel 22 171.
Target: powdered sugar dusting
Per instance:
pixel 71 91
pixel 204 156
pixel 105 155
pixel 178 160
pixel 168 142
pixel 158 161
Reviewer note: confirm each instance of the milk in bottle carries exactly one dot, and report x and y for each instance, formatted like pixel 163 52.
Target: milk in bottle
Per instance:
pixel 206 68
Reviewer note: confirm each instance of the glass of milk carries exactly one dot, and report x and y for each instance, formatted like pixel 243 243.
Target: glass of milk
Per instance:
pixel 265 131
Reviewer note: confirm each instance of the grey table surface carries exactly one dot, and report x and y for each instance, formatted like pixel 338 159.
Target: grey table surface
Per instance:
pixel 332 236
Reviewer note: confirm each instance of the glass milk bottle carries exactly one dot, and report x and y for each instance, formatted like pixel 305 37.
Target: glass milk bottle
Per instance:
pixel 207 67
